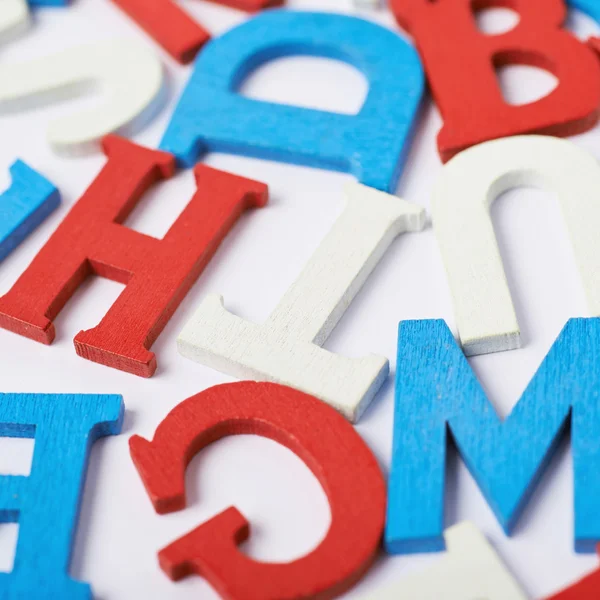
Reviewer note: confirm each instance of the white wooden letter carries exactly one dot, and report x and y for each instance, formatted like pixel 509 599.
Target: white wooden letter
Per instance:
pixel 128 75
pixel 366 4
pixel 14 18
pixel 286 349
pixel 469 183
pixel 470 570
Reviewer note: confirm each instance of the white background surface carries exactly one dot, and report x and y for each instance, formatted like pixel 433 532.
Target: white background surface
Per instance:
pixel 119 533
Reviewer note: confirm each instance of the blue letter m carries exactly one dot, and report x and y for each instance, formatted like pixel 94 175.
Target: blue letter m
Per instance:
pixel 437 392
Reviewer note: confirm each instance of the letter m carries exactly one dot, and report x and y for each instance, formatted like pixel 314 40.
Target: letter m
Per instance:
pixel 438 394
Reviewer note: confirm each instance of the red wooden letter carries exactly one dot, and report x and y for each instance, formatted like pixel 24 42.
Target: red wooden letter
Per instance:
pixel 158 273
pixel 173 28
pixel 460 63
pixel 329 446
pixel 178 33
pixel 587 588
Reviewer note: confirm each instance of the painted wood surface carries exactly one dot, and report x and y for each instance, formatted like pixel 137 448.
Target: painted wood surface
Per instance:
pixel 335 453
pixel 589 7
pixel 24 205
pixel 286 348
pixel 470 570
pixel 461 62
pixel 438 395
pixel 462 197
pixel 212 116
pixel 130 77
pixel 157 273
pixel 14 19
pixel 174 28
pixel 46 503
pixel 587 588
pixel 169 25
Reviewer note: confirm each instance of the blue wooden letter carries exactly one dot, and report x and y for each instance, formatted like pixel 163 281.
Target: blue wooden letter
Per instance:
pixel 46 503
pixel 212 116
pixel 589 7
pixel 437 392
pixel 24 205
pixel 48 2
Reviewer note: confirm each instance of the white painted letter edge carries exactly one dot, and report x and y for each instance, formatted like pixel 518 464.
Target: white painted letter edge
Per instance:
pixel 286 349
pixel 469 183
pixel 470 570
pixel 128 75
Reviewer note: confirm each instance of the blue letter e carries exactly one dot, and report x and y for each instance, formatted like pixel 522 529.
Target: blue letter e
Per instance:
pixel 437 393
pixel 213 116
pixel 46 503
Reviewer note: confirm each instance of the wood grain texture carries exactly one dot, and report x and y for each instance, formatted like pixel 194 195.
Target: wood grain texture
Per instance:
pixel 46 503
pixel 587 588
pixel 130 77
pixel 468 185
pixel 470 570
pixel 24 205
pixel 286 348
pixel 372 145
pixel 461 62
pixel 329 446
pixel 49 2
pixel 157 273
pixel 173 28
pixel 438 396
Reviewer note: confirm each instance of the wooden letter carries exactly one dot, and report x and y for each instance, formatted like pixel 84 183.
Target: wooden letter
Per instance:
pixel 158 273
pixel 14 19
pixel 590 7
pixel 129 76
pixel 48 2
pixel 470 570
pixel 437 393
pixel 46 503
pixel 286 349
pixel 26 203
pixel 468 185
pixel 335 453
pixel 460 63
pixel 585 589
pixel 372 145
pixel 173 28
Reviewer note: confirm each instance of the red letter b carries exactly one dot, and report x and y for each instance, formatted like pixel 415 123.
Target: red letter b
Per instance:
pixel 460 62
